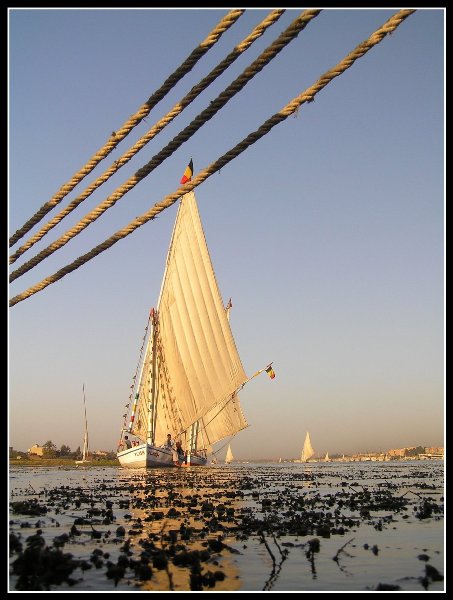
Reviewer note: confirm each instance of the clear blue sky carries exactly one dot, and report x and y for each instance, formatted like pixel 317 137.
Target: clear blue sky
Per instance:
pixel 328 233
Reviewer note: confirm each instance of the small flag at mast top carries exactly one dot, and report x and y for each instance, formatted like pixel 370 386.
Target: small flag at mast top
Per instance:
pixel 270 371
pixel 229 305
pixel 187 173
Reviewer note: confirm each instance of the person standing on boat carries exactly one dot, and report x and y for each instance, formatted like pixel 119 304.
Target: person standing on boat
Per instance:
pixel 179 455
pixel 169 443
pixel 127 442
pixel 180 452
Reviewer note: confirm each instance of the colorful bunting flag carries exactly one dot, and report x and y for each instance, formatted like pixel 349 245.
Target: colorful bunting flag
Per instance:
pixel 270 371
pixel 187 173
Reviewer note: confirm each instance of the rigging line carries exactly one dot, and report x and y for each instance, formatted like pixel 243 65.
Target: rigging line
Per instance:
pixel 307 96
pixel 205 442
pixel 223 25
pixel 256 33
pixel 174 414
pixel 140 359
pixel 225 401
pixel 237 85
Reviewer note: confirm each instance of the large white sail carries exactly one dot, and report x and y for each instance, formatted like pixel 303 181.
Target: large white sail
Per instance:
pixel 191 368
pixel 307 450
pixel 223 420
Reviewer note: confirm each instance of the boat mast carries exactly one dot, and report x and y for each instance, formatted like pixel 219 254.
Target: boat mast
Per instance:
pixel 85 439
pixel 152 406
pixel 193 436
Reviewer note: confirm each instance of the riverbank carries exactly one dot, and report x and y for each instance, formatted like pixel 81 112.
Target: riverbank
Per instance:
pixel 61 462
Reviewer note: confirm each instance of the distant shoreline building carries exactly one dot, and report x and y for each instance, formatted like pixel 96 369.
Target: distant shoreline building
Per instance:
pixel 432 452
pixel 409 453
pixel 36 449
pixel 394 454
pixel 399 453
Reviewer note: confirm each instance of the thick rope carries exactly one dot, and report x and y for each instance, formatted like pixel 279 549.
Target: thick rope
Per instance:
pixel 306 96
pixel 256 66
pixel 224 24
pixel 157 128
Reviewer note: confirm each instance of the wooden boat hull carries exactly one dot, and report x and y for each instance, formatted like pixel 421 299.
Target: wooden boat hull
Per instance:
pixel 194 460
pixel 147 456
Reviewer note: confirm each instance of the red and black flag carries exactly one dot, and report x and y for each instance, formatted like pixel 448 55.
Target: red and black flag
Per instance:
pixel 187 173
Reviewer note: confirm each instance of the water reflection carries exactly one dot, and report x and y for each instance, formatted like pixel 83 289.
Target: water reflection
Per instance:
pixel 180 519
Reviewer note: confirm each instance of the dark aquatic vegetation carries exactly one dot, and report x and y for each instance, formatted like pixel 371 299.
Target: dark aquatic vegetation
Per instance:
pixel 254 527
pixel 28 507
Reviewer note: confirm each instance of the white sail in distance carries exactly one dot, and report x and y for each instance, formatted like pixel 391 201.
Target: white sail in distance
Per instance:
pixel 229 455
pixel 307 450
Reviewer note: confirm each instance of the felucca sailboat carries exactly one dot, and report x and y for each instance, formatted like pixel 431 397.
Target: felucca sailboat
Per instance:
pixel 85 450
pixel 229 455
pixel 190 373
pixel 307 450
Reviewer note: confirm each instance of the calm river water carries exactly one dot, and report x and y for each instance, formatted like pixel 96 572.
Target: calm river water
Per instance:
pixel 319 527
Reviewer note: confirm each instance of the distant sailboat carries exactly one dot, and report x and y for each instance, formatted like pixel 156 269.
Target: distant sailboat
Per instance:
pixel 307 450
pixel 326 458
pixel 85 450
pixel 229 455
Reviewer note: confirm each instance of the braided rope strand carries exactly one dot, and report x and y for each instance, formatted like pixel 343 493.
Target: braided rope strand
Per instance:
pixel 157 128
pixel 139 115
pixel 306 96
pixel 237 85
